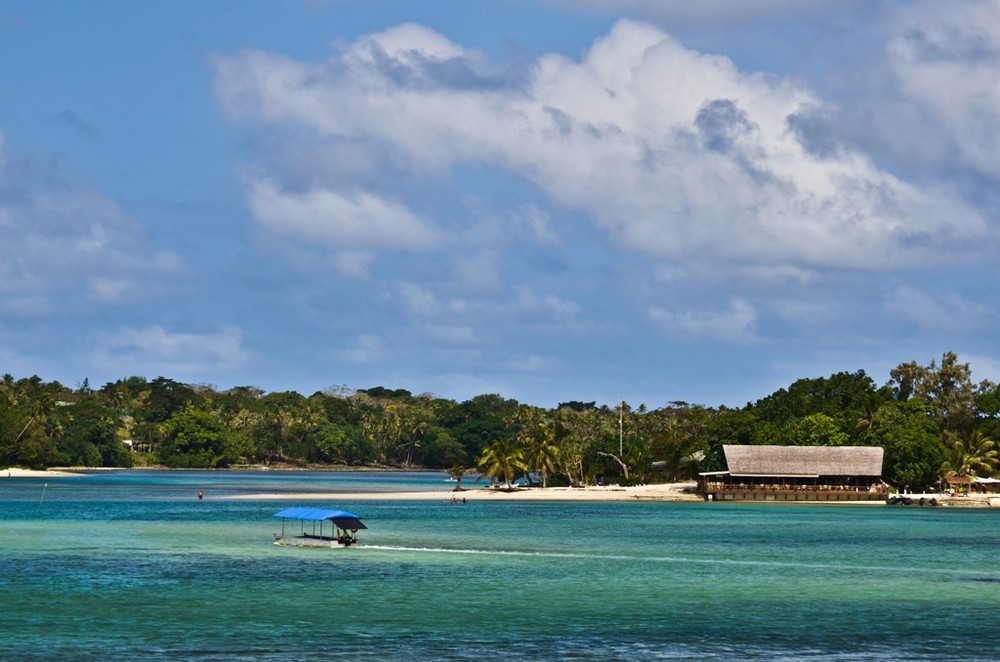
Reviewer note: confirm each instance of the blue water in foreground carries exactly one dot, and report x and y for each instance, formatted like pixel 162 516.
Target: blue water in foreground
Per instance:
pixel 119 565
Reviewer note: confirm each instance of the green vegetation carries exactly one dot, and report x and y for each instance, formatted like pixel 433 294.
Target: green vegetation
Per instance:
pixel 931 420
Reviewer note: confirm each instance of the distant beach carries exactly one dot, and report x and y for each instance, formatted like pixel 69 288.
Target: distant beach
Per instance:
pixel 663 492
pixel 672 492
pixel 15 472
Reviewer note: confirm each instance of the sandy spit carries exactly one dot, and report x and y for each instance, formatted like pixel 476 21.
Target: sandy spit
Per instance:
pixel 15 472
pixel 667 492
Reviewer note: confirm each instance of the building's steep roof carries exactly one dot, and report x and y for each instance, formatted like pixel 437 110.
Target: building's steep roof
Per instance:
pixel 803 460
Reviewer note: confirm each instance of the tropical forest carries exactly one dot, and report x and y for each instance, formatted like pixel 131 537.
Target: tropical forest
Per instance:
pixel 932 420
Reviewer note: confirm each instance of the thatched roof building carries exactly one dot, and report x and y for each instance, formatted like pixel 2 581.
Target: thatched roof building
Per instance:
pixel 796 473
pixel 803 461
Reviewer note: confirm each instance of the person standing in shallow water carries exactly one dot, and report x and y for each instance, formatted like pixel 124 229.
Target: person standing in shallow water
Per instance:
pixel 201 494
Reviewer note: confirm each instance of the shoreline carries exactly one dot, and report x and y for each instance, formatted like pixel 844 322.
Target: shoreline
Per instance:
pixel 667 493
pixel 661 492
pixel 17 472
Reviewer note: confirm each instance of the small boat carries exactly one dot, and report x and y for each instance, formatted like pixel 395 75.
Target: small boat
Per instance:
pixel 343 532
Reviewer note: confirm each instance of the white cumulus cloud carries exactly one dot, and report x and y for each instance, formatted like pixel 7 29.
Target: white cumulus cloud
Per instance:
pixel 342 221
pixel 677 153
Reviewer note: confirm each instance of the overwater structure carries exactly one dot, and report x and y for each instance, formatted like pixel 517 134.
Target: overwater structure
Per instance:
pixel 796 473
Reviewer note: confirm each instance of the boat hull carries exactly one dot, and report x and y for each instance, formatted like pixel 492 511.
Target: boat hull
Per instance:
pixel 298 541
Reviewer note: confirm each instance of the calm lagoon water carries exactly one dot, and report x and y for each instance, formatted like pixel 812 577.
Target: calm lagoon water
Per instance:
pixel 130 564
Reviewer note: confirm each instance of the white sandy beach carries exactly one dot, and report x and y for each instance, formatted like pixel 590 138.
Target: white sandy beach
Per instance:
pixel 665 492
pixel 661 492
pixel 15 472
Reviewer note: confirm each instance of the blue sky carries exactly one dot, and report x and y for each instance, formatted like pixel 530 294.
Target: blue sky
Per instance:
pixel 563 200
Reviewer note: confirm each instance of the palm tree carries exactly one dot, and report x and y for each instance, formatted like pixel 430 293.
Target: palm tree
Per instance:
pixel 457 471
pixel 956 461
pixel 976 455
pixel 866 413
pixel 543 449
pixel 501 459
pixel 983 456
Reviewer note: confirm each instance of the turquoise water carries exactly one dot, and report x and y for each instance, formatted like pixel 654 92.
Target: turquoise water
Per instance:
pixel 125 564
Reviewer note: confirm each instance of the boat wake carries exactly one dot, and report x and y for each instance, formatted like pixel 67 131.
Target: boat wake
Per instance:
pixel 968 575
pixel 490 552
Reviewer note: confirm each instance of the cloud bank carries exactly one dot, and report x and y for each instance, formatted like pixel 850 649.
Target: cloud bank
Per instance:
pixel 677 154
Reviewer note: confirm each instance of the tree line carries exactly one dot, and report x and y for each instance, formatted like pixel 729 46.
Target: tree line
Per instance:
pixel 932 421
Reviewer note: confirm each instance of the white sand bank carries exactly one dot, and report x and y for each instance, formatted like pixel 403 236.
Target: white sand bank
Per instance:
pixel 15 472
pixel 667 492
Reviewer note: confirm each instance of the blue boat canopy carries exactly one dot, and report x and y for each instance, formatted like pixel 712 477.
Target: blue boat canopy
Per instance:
pixel 315 514
pixel 341 518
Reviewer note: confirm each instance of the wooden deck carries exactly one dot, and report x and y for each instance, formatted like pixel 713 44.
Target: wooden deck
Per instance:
pixel 793 495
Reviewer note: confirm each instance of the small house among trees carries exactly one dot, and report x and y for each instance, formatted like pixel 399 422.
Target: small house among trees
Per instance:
pixel 796 473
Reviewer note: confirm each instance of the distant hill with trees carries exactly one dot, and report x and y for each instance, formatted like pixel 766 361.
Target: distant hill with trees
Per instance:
pixel 931 419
